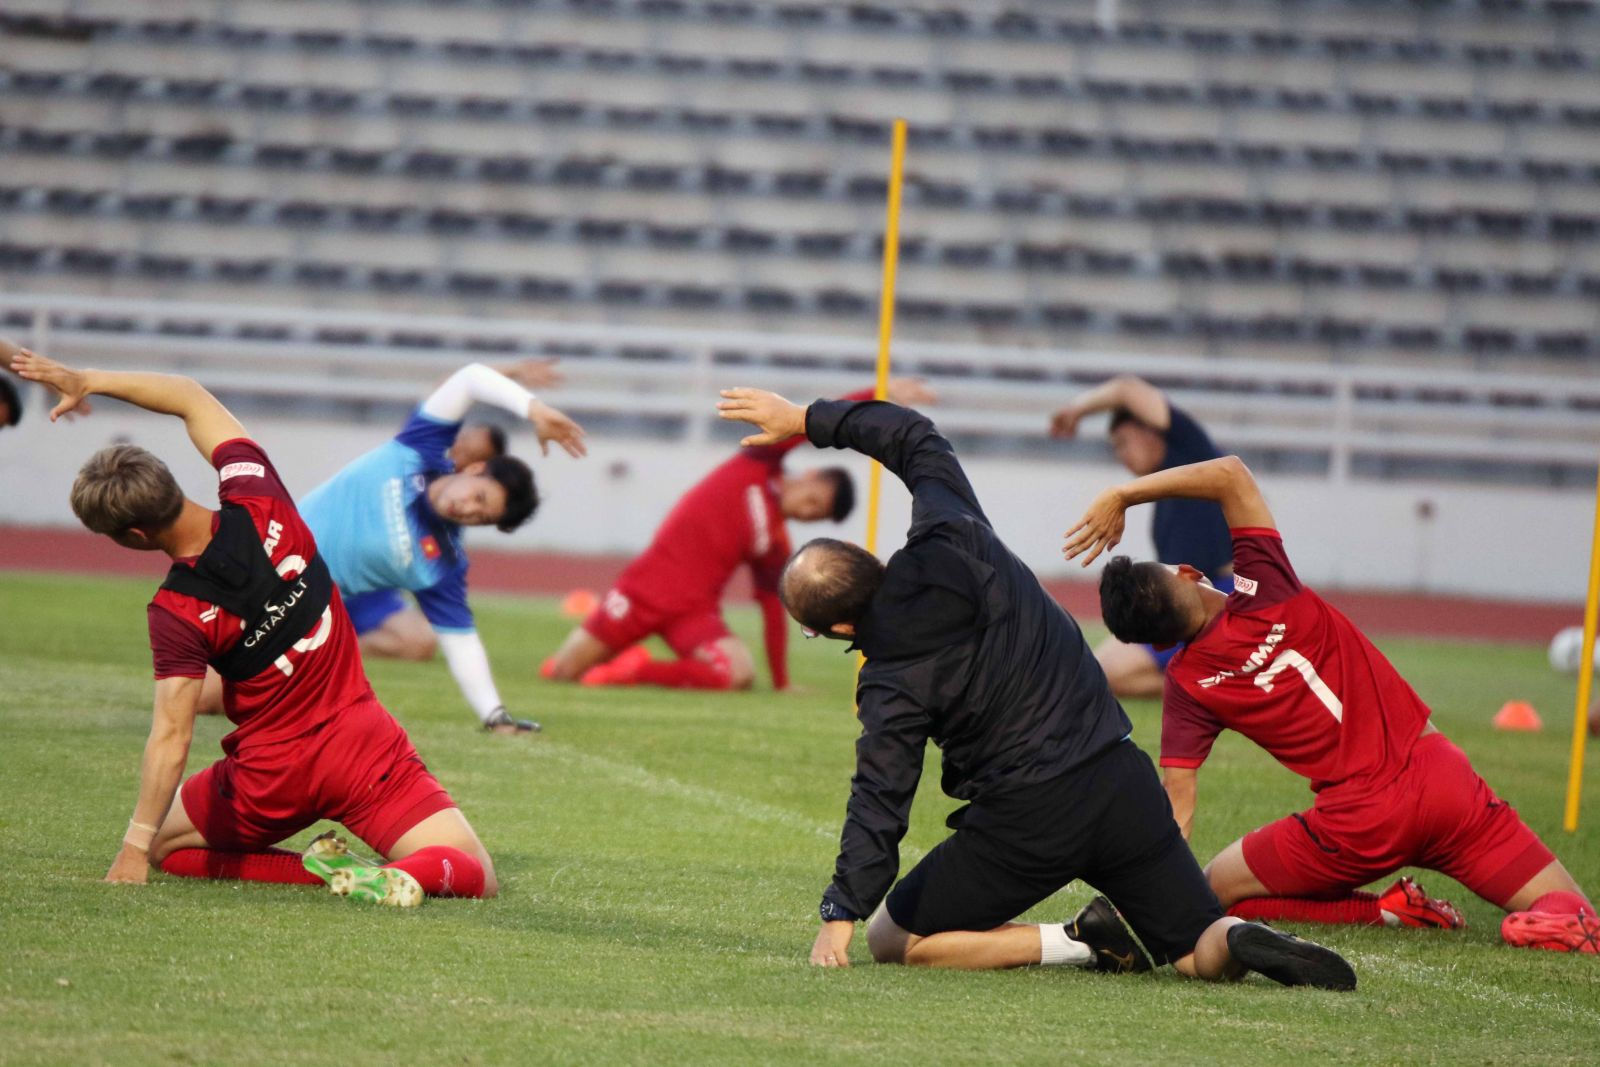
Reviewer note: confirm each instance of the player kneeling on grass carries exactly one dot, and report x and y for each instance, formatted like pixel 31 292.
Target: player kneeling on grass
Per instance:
pixel 736 515
pixel 1277 663
pixel 249 595
pixel 963 646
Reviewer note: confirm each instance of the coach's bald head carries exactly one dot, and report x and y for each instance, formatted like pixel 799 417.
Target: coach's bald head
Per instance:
pixel 827 585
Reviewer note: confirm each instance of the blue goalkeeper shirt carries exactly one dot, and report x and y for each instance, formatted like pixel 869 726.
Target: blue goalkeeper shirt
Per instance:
pixel 376 530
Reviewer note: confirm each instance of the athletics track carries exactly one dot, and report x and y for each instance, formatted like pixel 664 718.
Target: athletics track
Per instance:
pixel 548 574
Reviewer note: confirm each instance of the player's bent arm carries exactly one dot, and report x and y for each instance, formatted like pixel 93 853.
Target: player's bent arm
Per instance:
pixel 1225 480
pixel 166 752
pixel 208 422
pixel 1181 786
pixel 478 384
pixel 475 384
pixel 1141 399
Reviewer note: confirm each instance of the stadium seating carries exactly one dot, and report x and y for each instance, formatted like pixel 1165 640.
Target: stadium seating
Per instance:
pixel 1222 177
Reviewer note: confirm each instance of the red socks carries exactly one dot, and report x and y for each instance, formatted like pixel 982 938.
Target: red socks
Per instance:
pixel 1561 903
pixel 690 672
pixel 443 871
pixel 1358 909
pixel 269 865
pixel 440 870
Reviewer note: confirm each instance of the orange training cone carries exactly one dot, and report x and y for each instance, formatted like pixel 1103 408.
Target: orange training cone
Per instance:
pixel 578 603
pixel 1517 715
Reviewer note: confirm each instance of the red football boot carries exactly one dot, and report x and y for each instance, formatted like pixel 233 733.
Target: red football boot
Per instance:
pixel 1406 904
pixel 1553 932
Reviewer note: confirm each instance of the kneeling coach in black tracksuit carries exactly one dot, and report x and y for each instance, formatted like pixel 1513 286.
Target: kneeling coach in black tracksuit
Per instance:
pixel 963 646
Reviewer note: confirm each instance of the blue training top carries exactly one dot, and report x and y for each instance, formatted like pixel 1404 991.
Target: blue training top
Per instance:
pixel 375 528
pixel 1190 531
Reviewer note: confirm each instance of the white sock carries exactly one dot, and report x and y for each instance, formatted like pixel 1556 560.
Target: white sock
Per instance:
pixel 1057 949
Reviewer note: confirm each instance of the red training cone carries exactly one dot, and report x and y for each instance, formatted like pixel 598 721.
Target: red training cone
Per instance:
pixel 578 604
pixel 1518 715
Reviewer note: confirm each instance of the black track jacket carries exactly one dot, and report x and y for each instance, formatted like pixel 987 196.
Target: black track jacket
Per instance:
pixel 963 646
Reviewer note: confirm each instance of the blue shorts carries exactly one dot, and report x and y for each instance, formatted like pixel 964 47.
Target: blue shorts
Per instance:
pixel 369 610
pixel 1161 656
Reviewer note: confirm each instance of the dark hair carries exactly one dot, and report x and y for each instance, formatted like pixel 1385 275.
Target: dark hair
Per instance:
pixel 1122 415
pixel 844 492
pixel 829 582
pixel 1137 604
pixel 13 401
pixel 497 437
pixel 522 498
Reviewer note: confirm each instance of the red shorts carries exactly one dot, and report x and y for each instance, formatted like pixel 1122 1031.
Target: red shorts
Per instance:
pixel 1436 814
pixel 619 621
pixel 358 769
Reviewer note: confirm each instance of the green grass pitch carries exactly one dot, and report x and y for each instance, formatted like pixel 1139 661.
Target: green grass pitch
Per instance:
pixel 662 855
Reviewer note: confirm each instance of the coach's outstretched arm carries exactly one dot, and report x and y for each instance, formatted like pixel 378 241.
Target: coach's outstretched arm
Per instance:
pixel 478 384
pixel 208 422
pixel 904 441
pixel 1226 480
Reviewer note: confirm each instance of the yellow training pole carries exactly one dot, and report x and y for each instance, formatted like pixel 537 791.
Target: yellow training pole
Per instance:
pixel 891 261
pixel 1580 719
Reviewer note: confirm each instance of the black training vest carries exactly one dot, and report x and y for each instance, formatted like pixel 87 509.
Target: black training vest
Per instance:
pixel 235 573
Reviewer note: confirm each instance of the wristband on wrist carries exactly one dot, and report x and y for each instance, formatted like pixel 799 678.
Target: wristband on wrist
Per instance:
pixel 139 835
pixel 833 913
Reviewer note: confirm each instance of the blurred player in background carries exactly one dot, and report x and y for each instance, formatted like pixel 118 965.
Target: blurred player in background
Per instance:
pixel 735 515
pixel 1274 661
pixel 964 647
pixel 10 402
pixel 249 597
pixel 392 519
pixel 1150 433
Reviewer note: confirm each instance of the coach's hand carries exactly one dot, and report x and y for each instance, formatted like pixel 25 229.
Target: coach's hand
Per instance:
pixel 552 425
pixel 778 419
pixel 1099 529
pixel 131 865
pixel 72 385
pixel 832 946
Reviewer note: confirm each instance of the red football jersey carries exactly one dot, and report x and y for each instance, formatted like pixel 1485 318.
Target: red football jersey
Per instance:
pixel 310 683
pixel 731 517
pixel 1285 669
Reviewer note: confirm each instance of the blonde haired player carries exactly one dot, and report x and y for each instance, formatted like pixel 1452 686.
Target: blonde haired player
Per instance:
pixel 248 595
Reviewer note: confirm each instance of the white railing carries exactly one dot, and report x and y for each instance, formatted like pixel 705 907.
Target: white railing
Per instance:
pixel 1340 411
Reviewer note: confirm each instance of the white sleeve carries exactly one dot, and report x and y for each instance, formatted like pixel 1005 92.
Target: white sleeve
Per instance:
pixel 469 663
pixel 476 384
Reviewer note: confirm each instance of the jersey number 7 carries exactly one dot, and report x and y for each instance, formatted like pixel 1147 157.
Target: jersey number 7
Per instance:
pixel 1290 658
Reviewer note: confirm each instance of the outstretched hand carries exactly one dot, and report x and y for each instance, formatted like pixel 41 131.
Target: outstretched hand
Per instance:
pixel 776 417
pixel 71 385
pixel 552 425
pixel 1064 423
pixel 533 373
pixel 1099 529
pixel 911 392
